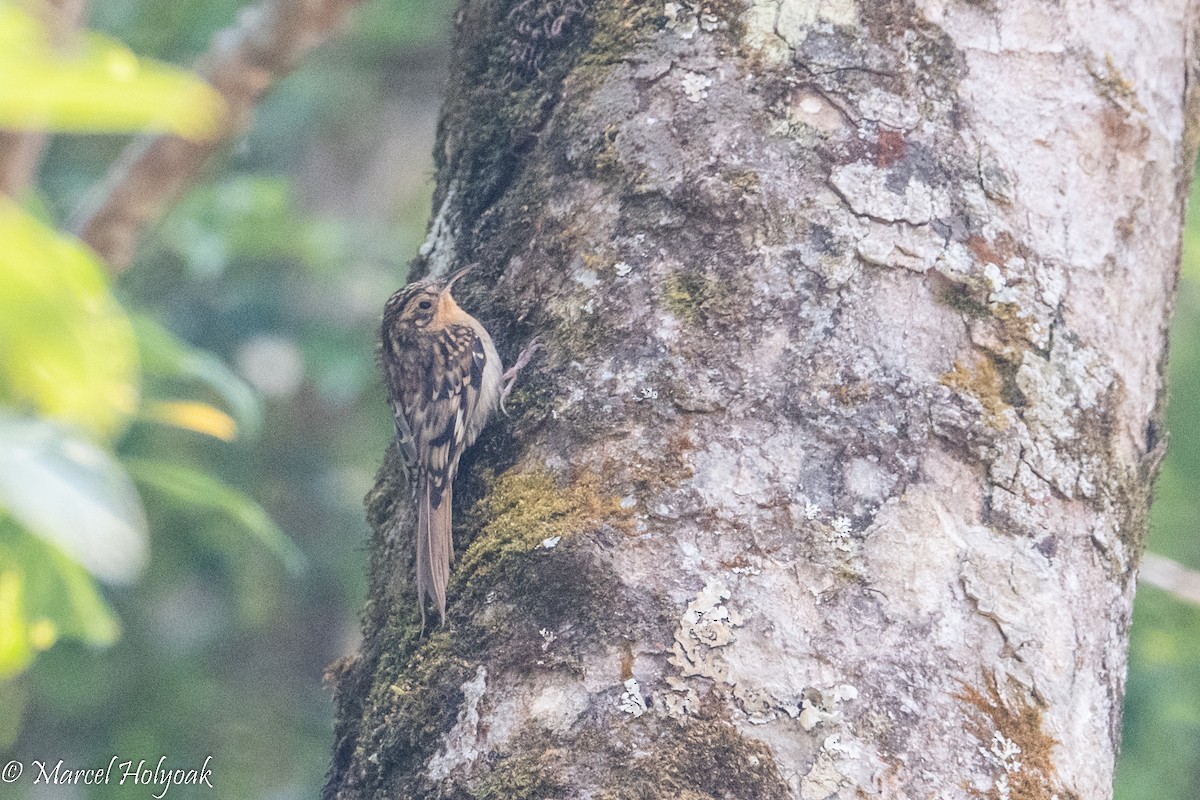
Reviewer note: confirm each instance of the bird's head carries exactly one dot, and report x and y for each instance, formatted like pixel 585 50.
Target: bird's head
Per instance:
pixel 423 305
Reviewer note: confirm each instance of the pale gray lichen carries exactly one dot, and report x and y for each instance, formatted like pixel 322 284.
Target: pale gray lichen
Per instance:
pixel 632 702
pixel 1002 752
pixel 823 780
pixel 888 109
pixel 761 707
pixel 901 245
pixel 681 700
pixel 646 393
pixel 834 746
pixel 820 707
pixel 686 19
pixel 461 743
pixel 838 534
pixel 439 249
pixel 774 28
pixel 705 627
pixel 866 189
pixel 695 86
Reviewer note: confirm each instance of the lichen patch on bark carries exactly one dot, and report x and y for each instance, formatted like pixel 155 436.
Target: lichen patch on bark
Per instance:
pixel 1015 751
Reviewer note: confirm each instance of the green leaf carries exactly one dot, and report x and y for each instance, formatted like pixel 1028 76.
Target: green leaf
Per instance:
pixel 44 596
pixel 66 490
pixel 94 84
pixel 201 490
pixel 67 348
pixel 16 652
pixel 164 355
pixel 59 589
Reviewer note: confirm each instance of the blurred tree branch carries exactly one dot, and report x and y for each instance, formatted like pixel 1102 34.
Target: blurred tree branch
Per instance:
pixel 20 151
pixel 1170 576
pixel 19 155
pixel 243 63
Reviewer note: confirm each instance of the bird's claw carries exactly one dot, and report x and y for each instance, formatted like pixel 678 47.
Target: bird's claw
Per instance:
pixel 510 377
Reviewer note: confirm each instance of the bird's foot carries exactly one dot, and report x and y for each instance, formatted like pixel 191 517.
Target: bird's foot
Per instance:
pixel 510 377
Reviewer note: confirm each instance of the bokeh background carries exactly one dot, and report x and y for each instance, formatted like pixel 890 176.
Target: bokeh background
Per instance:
pixel 279 262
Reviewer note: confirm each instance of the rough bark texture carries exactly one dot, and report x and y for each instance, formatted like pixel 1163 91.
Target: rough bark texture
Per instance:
pixel 832 480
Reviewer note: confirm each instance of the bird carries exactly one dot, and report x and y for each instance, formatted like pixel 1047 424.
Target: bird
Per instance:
pixel 444 381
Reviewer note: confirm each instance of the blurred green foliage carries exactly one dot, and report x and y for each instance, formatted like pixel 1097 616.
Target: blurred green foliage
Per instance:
pixel 94 85
pixel 252 309
pixel 69 372
pixel 67 347
pixel 1160 757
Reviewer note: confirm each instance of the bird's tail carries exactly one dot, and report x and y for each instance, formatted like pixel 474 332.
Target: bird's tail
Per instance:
pixel 435 544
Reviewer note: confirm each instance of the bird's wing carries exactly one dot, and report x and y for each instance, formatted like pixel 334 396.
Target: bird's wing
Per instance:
pixel 450 398
pixel 402 400
pixel 404 441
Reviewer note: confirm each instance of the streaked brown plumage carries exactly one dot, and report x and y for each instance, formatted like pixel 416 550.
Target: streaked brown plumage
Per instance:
pixel 444 381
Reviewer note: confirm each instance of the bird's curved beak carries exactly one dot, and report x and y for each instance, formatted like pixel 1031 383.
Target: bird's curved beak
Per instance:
pixel 456 276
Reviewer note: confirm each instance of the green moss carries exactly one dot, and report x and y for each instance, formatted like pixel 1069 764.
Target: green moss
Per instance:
pixel 520 777
pixel 964 299
pixel 620 25
pixel 414 701
pixel 747 180
pixel 1010 391
pixel 521 510
pixel 693 297
pixel 509 587
pixel 512 58
pixel 606 161
pixel 1131 498
pixel 1129 491
pixel 1012 328
pixel 417 678
pixel 1112 85
pixel 389 486
pixel 983 382
pixel 1019 721
pixel 1017 327
pixel 707 759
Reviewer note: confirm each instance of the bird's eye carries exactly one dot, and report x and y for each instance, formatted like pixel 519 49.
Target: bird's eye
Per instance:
pixel 425 305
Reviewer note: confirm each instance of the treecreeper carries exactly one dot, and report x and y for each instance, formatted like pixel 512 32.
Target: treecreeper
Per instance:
pixel 444 381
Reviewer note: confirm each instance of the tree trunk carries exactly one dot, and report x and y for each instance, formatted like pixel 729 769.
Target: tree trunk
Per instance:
pixel 833 475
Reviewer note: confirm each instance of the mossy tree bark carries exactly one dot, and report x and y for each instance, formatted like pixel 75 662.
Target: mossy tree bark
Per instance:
pixel 832 478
